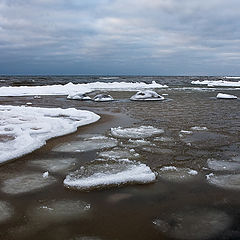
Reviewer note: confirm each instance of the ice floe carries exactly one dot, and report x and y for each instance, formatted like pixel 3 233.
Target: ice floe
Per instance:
pixel 59 210
pixel 25 183
pixel 86 145
pixel 6 211
pixel 34 126
pixel 136 133
pixel 103 98
pixel 198 128
pixel 219 83
pixel 220 165
pixel 230 181
pixel 193 224
pixel 54 165
pixel 78 96
pixel 102 174
pixel 146 95
pixel 71 89
pixel 226 96
pixel 172 173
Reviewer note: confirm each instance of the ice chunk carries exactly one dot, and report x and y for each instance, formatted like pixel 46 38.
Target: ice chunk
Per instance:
pixel 34 126
pixel 231 181
pixel 6 211
pixel 78 96
pixel 86 145
pixel 147 95
pixel 54 165
pixel 226 96
pixel 45 174
pixel 103 98
pixel 102 174
pixel 26 183
pixel 171 173
pixel 163 139
pixel 58 211
pixel 220 165
pixel 136 133
pixel 220 83
pixel 116 154
pixel 198 128
pixel 193 224
pixel 157 150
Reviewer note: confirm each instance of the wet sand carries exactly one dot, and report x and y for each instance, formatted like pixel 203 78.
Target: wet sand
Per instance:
pixel 128 212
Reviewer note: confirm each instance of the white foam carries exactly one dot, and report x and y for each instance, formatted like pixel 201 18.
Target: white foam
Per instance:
pixel 54 165
pixel 109 174
pixel 72 89
pixel 24 183
pixel 34 126
pixel 226 96
pixel 6 211
pixel 135 133
pixel 86 145
pixel 147 95
pixel 219 83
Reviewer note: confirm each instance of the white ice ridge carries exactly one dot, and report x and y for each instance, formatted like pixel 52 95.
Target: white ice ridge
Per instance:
pixel 71 89
pixel 219 83
pixel 24 129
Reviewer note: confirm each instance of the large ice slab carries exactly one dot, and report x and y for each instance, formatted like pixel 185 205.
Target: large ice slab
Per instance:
pixel 6 211
pixel 193 224
pixel 219 83
pixel 226 96
pixel 135 133
pixel 34 126
pixel 25 183
pixel 146 95
pixel 54 165
pixel 86 145
pixel 71 89
pixel 230 181
pixel 108 174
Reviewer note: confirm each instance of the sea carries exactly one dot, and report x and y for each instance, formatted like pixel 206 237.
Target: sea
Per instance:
pixel 195 159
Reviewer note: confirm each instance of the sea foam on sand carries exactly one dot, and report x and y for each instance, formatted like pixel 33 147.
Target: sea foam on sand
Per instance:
pixel 34 126
pixel 71 89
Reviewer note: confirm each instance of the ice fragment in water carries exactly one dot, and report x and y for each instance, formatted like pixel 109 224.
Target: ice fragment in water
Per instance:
pixel 231 181
pixel 226 96
pixel 220 165
pixel 147 95
pixel 26 183
pixel 102 174
pixel 45 174
pixel 103 98
pixel 115 154
pixel 6 211
pixel 135 133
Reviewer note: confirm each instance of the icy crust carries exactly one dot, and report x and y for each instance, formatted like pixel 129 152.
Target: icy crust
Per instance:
pixel 146 95
pixel 71 89
pixel 136 133
pixel 220 83
pixel 193 224
pixel 102 174
pixel 34 126
pixel 226 96
pixel 6 211
pixel 26 183
pixel 230 181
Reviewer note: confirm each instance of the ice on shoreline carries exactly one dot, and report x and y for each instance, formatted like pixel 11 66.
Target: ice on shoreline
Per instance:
pixel 219 83
pixel 107 174
pixel 72 89
pixel 34 126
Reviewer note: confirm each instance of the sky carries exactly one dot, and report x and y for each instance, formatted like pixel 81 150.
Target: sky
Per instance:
pixel 120 37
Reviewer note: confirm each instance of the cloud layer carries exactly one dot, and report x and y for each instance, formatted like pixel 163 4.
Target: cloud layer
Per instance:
pixel 165 37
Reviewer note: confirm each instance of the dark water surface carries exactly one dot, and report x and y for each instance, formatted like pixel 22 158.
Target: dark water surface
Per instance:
pixel 166 209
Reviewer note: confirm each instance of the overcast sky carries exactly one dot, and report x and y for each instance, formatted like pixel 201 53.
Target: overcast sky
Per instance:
pixel 150 37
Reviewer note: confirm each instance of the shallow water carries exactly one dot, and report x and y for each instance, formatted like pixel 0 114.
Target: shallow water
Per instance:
pixel 135 211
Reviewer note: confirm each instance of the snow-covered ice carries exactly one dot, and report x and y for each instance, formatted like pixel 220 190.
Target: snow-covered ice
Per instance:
pixel 136 133
pixel 72 89
pixel 220 165
pixel 6 211
pixel 226 96
pixel 193 224
pixel 24 183
pixel 172 173
pixel 103 98
pixel 219 83
pixel 86 145
pixel 78 96
pixel 54 165
pixel 102 174
pixel 230 181
pixel 147 95
pixel 34 126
